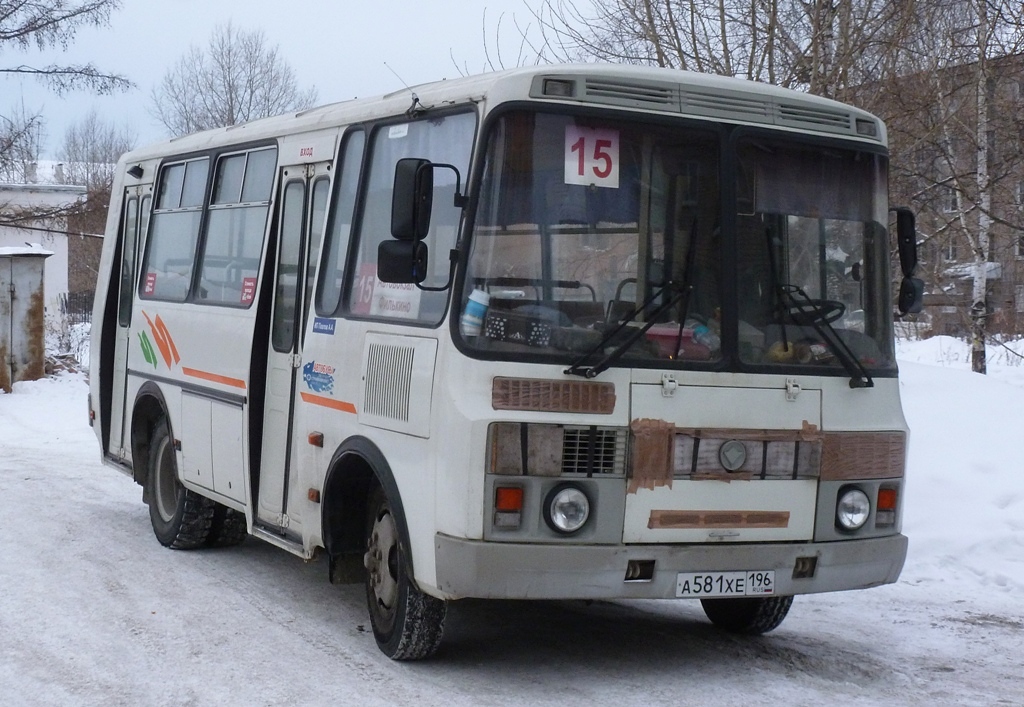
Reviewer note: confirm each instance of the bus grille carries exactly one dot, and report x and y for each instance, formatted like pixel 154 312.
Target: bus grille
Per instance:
pixel 593 450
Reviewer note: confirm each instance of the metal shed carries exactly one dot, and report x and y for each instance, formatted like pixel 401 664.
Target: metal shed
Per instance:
pixel 22 323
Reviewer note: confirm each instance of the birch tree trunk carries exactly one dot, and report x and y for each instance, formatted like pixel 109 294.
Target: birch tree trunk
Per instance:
pixel 979 296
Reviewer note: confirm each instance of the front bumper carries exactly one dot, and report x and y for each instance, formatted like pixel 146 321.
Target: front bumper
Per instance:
pixel 474 568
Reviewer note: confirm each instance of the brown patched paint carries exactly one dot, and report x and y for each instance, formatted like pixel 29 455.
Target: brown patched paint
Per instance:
pixel 863 455
pixel 809 433
pixel 5 369
pixel 35 336
pixel 652 454
pixel 552 396
pixel 682 520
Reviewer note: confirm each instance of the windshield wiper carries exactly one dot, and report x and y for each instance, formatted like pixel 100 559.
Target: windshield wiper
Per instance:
pixel 796 302
pixel 679 291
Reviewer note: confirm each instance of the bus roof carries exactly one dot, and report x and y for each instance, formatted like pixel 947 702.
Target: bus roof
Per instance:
pixel 649 89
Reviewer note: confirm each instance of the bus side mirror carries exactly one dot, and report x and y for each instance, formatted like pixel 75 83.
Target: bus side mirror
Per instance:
pixel 411 199
pixel 911 297
pixel 402 262
pixel 906 240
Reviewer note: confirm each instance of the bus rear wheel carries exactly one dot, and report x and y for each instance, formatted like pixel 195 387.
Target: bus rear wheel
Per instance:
pixel 227 528
pixel 181 518
pixel 747 616
pixel 407 624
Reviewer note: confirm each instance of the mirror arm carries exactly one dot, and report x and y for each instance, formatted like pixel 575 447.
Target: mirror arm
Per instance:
pixel 460 198
pixel 453 259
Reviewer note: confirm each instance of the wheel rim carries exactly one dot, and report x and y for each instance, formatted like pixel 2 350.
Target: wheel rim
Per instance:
pixel 166 485
pixel 382 564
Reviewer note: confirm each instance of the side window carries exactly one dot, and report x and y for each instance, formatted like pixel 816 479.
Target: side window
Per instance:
pixel 286 287
pixel 176 218
pixel 128 237
pixel 318 212
pixel 332 268
pixel 236 228
pixel 449 140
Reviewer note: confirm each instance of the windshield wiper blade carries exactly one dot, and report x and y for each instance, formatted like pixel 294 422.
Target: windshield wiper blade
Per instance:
pixel 578 369
pixel 816 318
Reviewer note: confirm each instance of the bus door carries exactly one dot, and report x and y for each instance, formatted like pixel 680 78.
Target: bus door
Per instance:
pixel 303 199
pixel 134 219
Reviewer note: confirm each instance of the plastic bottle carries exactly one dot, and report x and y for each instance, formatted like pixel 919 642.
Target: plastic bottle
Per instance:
pixel 704 336
pixel 472 320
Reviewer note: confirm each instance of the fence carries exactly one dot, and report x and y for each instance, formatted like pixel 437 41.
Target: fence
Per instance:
pixel 76 307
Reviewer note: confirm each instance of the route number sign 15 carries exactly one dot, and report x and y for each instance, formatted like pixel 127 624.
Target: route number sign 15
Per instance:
pixel 592 157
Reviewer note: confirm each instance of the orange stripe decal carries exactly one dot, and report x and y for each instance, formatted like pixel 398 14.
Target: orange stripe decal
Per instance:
pixel 328 402
pixel 214 377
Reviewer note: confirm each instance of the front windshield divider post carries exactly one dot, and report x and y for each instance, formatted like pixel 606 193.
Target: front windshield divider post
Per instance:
pixel 577 369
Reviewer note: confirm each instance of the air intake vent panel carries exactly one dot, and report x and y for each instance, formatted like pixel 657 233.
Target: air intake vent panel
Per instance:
pixel 632 94
pixel 759 105
pixel 397 383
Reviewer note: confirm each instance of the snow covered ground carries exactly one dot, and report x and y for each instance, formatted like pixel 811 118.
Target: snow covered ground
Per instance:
pixel 94 611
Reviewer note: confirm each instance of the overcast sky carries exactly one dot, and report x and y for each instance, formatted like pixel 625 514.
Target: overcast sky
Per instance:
pixel 343 47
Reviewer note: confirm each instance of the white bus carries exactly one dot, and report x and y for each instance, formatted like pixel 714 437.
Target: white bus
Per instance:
pixel 592 331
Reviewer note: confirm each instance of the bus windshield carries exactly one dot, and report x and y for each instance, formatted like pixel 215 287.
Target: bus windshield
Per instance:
pixel 594 235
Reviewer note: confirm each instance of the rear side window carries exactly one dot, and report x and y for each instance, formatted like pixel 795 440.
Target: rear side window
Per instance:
pixel 176 220
pixel 238 222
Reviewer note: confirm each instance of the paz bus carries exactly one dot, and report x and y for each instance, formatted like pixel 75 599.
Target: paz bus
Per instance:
pixel 595 331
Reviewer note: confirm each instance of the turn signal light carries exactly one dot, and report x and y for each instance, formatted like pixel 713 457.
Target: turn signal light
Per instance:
pixel 886 499
pixel 508 498
pixel 508 507
pixel 885 508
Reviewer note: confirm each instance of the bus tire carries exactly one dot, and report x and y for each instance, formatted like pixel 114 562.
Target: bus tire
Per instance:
pixel 407 624
pixel 181 518
pixel 227 527
pixel 751 617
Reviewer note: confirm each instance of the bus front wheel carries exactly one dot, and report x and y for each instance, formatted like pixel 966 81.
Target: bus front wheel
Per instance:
pixel 407 623
pixel 181 518
pixel 747 616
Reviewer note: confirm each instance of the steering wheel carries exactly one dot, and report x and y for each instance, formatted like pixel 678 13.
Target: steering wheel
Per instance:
pixel 810 311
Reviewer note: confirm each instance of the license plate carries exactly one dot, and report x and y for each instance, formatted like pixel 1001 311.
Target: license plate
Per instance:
pixel 757 583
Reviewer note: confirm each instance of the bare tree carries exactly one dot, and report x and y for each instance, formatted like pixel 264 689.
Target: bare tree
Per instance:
pixel 89 155
pixel 91 149
pixel 21 134
pixel 952 106
pixel 46 24
pixel 822 46
pixel 237 78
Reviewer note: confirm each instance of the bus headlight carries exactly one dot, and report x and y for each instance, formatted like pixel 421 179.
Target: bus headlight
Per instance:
pixel 566 508
pixel 852 509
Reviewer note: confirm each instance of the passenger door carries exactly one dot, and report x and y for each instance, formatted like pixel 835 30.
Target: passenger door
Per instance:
pixel 134 220
pixel 303 201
